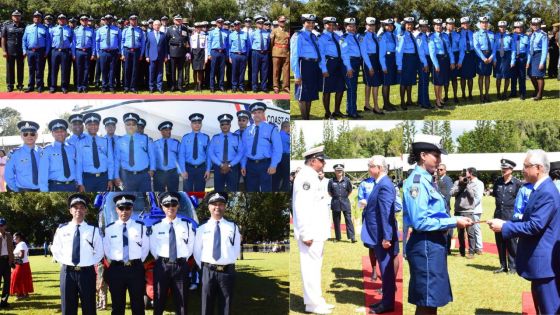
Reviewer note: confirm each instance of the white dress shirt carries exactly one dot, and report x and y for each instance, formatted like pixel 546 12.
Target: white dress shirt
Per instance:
pixel 230 243
pixel 138 241
pixel 4 246
pixel 91 244
pixel 184 234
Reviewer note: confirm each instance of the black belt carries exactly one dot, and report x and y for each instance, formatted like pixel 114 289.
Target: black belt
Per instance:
pixel 77 268
pixel 131 49
pixel 354 58
pixel 485 51
pixel 260 161
pixel 195 166
pixel 219 50
pixel 57 182
pixel 109 50
pixel 389 53
pixel 238 53
pixel 36 49
pixel 332 57
pixel 177 261
pixel 410 54
pixel 469 51
pixel 126 264
pixel 261 51
pixel 62 49
pixel 310 59
pixel 536 52
pixel 521 55
pixel 137 172
pixel 95 174
pixel 438 232
pixel 372 54
pixel 443 55
pixel 219 268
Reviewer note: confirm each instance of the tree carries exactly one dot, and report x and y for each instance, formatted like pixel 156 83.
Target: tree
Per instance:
pixel 298 143
pixel 409 131
pixel 9 118
pixel 431 127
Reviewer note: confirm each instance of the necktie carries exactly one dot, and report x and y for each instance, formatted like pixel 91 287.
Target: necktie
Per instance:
pixel 61 44
pixel 125 243
pixel 376 43
pixel 220 33
pixel 165 153
pixel 83 41
pixel 239 41
pixel 95 153
pixel 468 40
pixel 131 151
pixel 36 36
pixel 517 43
pixel 172 244
pixel 313 41
pixel 414 42
pixel 76 246
pixel 157 36
pixel 113 144
pixel 195 147
pixel 502 45
pixel 34 169
pixel 337 45
pixel 443 44
pixel 108 38
pixel 217 250
pixel 198 40
pixel 394 40
pixel 65 162
pixel 133 37
pixel 262 40
pixel 255 141
pixel 531 45
pixel 487 40
pixel 225 154
pixel 357 44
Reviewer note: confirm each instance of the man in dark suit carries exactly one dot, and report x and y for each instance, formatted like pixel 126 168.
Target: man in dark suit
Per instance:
pixel 445 183
pixel 380 231
pixel 538 249
pixel 156 56
pixel 6 261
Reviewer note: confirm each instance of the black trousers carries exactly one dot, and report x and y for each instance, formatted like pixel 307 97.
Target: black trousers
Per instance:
pixel 349 225
pixel 12 63
pixel 174 276
pixel 217 284
pixel 471 236
pixel 120 278
pixel 76 285
pixel 506 247
pixel 5 274
pixel 177 66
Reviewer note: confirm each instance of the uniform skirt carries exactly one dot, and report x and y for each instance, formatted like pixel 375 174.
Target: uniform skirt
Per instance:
pixel 453 74
pixel 468 67
pixel 198 59
pixel 484 69
pixel 377 79
pixel 308 90
pixel 534 66
pixel 335 81
pixel 502 69
pixel 441 78
pixel 429 285
pixel 391 77
pixel 410 64
pixel 21 282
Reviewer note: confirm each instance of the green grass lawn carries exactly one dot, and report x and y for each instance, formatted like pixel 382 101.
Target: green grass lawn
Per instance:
pixel 261 287
pixel 514 109
pixel 476 290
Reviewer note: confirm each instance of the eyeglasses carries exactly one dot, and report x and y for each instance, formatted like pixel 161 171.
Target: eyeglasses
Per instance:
pixel 124 208
pixel 224 124
pixel 441 169
pixel 529 165
pixel 171 204
pixel 29 134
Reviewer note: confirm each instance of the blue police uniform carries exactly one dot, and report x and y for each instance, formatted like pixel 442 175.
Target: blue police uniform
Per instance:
pixel 352 59
pixel 83 48
pixel 262 149
pixel 365 188
pixel 467 58
pixel 74 139
pixel 387 58
pixel 260 46
pixel 455 45
pixel 193 160
pixel 134 157
pixel 166 177
pixel 331 62
pixel 521 46
pixel 108 39
pixel 133 42
pixel 281 180
pixel 369 45
pixel 425 211
pixel 94 163
pixel 538 45
pixel 57 168
pixel 217 47
pixel 239 47
pixel 424 77
pixel 442 58
pixel 228 153
pixel 483 47
pixel 36 45
pixel 62 38
pixel 305 61
pixel 409 58
pixel 504 52
pixel 22 169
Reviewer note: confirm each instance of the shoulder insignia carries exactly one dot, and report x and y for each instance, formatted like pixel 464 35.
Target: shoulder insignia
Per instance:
pixel 108 225
pixel 414 191
pixel 149 231
pixel 416 179
pixel 306 186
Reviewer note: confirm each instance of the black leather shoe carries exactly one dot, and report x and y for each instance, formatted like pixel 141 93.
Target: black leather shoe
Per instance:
pixel 381 309
pixel 160 91
pixel 222 89
pixel 10 89
pixel 51 91
pixel 389 108
pixel 212 90
pixel 512 271
pixel 500 270
pixel 64 91
pixel 234 90
pixel 28 90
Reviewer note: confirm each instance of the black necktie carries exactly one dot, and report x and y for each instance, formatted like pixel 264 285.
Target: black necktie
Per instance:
pixel 376 43
pixel 195 147
pixel 468 40
pixel 95 153
pixel 414 42
pixel 83 39
pixel 113 144
pixel 262 40
pixel 172 244
pixel 165 153
pixel 133 37
pixel 131 151
pixel 61 45
pixel 255 141
pixel 34 169
pixel 239 41
pixel 225 155
pixel 108 38
pixel 487 40
pixel 336 44
pixel 443 44
pixel 65 162
pixel 220 32
pixel 217 250
pixel 312 37
pixel 76 246
pixel 125 243
pixel 357 44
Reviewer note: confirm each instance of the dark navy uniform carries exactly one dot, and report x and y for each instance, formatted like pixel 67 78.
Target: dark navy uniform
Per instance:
pixel 83 49
pixel 280 180
pixel 424 77
pixel 177 39
pixel 57 168
pixel 12 36
pixel 225 150
pixel 61 55
pixel 340 204
pixel 193 158
pixel 166 177
pixel 22 168
pixel 36 44
pixel 442 58
pixel 467 58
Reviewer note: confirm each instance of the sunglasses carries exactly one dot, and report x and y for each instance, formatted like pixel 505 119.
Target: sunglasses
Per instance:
pixel 125 208
pixel 171 204
pixel 29 134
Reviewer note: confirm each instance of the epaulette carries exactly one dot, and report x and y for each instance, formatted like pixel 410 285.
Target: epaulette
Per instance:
pixel 108 225
pixel 139 222
pixel 156 222
pixel 416 178
pixel 62 224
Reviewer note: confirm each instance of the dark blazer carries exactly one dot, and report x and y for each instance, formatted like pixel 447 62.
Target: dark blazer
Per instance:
pixel 9 246
pixel 154 50
pixel 379 214
pixel 538 248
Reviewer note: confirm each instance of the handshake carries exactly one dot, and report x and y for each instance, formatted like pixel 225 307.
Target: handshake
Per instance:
pixel 464 222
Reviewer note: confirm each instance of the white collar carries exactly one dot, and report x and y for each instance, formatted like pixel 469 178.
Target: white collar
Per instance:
pixel 539 182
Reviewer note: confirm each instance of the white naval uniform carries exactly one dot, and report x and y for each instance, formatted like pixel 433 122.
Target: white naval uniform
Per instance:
pixel 91 244
pixel 138 241
pixel 159 238
pixel 204 243
pixel 310 223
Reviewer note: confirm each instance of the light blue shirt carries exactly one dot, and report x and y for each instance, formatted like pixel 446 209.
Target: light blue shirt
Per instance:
pixel 520 43
pixel 350 47
pixel 521 201
pixel 365 188
pixel 439 45
pixel 172 154
pixel 84 159
pixel 213 40
pixel 465 47
pixel 36 36
pixel 327 47
pixel 454 40
pixel 301 46
pixel 483 40
pixel 407 44
pixel 187 149
pixel 84 38
pixel 216 149
pixel 19 170
pixel 387 45
pixel 256 40
pixel 369 44
pixel 538 42
pixel 139 39
pixel 269 144
pixel 51 166
pixel 74 139
pixel 507 41
pixel 239 42
pixel 422 40
pixel 101 34
pixel 67 35
pixel 144 156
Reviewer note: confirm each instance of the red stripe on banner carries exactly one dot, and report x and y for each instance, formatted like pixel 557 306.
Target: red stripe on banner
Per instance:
pixel 237 107
pixel 528 306
pixel 71 95
pixel 370 287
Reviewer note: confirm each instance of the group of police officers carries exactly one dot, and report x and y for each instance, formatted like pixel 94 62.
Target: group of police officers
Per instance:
pixel 330 62
pixel 257 152
pixel 117 54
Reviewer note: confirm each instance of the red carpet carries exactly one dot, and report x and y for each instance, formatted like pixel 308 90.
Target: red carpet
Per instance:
pixel 131 96
pixel 371 296
pixel 528 305
pixel 489 248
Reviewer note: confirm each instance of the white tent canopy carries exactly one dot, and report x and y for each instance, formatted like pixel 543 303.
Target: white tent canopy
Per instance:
pixel 351 165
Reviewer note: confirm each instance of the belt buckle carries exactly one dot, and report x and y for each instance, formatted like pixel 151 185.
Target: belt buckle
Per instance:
pixel 77 268
pixel 97 174
pixel 128 263
pixel 220 268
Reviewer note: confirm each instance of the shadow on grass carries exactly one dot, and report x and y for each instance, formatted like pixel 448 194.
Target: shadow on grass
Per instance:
pixel 484 311
pixel 482 267
pixel 254 294
pixel 351 279
pixel 296 303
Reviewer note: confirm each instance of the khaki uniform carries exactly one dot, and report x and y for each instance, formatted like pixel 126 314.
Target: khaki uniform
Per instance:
pixel 280 58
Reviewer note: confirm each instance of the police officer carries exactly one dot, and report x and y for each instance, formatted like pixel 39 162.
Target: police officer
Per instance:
pixel 331 65
pixel 423 73
pixel 280 180
pixel 262 151
pixel 119 65
pixel 83 52
pixel 48 22
pixel 110 124
pixel 216 248
pixel 239 48
pixel 260 45
pixel 305 60
pixel 192 156
pixel 12 36
pixel 409 59
pixel 521 46
pixel 22 169
pixel 171 244
pixel 36 45
pixel 425 212
pixel 369 43
pixel 224 154
pixel 77 246
pixel 340 188
pixel 227 28
pixel 483 46
pixel 467 62
pixel 166 177
pixel 536 62
pixel 243 117
pixel 352 59
pixel 178 40
pixel 387 59
pixel 198 54
pixel 505 191
pixel 126 245
pixel 141 126
pixel 443 60
pixel 77 122
pixel 94 161
pixel 108 39
pixel 132 49
pixel 505 59
pixel 216 51
pixel 62 38
pixel 279 39
pixel 57 167
pixel 454 38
